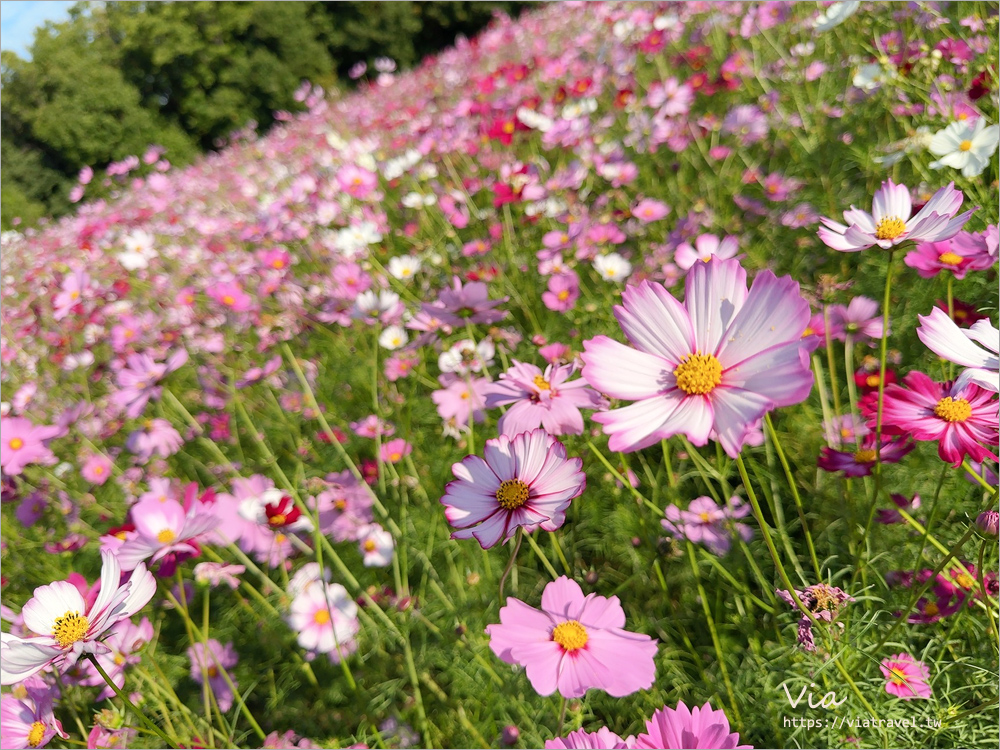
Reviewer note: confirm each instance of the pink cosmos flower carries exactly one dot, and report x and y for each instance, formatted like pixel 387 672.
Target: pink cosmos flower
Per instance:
pixel 394 450
pixel 574 643
pixel 27 720
pixel 942 336
pixel 717 363
pixel 860 319
pixel 97 469
pixel 960 418
pixel 958 258
pixel 215 574
pixel 164 531
pixel 682 727
pixel 547 400
pixel 210 660
pixel 66 626
pixel 326 620
pixel 706 523
pixel 891 223
pixel 345 508
pixel 376 546
pixel 525 480
pixel 73 288
pixel 860 462
pixel 371 426
pixel 648 210
pixel 157 438
pixel 602 739
pixel 231 295
pixel 138 380
pixel 23 443
pixel 563 292
pixel 905 677
pixel 706 246
pixel 470 303
pixel 459 399
pixel 356 181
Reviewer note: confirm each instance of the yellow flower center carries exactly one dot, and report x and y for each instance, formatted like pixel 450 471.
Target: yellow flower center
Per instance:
pixel 705 518
pixel 369 545
pixel 872 380
pixel 340 504
pixel 698 374
pixel 953 410
pixel 322 617
pixel 277 519
pixel 890 228
pixel 845 432
pixel 508 128
pixel 228 300
pixel 865 456
pixel 965 146
pixel 563 295
pixel 571 635
pixel 897 676
pixel 166 536
pixel 949 259
pixel 931 609
pixel 808 332
pixel 965 580
pixel 212 671
pixel 541 383
pixel 512 494
pixel 15 444
pixel 279 263
pixel 35 734
pixel 69 629
pixel 98 470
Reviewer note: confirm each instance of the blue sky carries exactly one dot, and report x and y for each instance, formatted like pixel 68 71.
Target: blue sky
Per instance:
pixel 20 18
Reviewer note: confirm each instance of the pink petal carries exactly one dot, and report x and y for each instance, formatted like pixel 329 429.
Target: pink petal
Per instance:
pixel 623 372
pixel 713 293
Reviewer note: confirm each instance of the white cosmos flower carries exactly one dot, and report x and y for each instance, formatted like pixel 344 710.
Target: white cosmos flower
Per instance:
pixel 393 337
pixel 66 627
pixel 404 267
pixel 869 77
pixel 466 356
pixel 942 336
pixel 376 544
pixel 966 146
pixel 835 15
pixel 612 267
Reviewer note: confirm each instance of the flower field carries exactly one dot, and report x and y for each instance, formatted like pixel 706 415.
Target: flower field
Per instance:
pixel 623 377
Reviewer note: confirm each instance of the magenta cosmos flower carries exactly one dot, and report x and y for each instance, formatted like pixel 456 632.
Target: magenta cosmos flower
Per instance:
pixel 545 399
pixel 682 727
pixel 574 643
pixel 25 443
pixel 525 480
pixel 905 677
pixel 718 362
pixel 27 720
pixel 961 418
pixel 890 222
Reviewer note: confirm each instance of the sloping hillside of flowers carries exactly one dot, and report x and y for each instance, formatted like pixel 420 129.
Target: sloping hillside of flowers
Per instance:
pixel 623 377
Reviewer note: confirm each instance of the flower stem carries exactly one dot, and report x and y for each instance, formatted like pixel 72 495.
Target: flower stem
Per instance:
pixel 128 704
pixel 795 493
pixel 510 563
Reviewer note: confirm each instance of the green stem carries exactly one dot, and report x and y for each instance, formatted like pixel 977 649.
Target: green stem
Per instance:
pixel 128 704
pixel 510 563
pixel 795 493
pixel 541 556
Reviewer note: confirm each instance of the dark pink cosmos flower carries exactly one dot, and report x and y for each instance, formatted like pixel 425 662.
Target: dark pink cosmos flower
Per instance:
pixel 602 739
pixel 717 363
pixel 957 256
pixel 859 463
pixel 682 727
pixel 23 443
pixel 468 303
pixel 526 480
pixel 574 643
pixel 962 419
pixel 541 399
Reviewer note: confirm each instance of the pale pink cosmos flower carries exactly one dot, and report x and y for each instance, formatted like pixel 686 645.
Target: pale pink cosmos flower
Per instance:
pixel 73 288
pixel 891 223
pixel 942 336
pixel 460 399
pixel 124 641
pixel 706 523
pixel 157 438
pixel 860 319
pixel 541 399
pixel 66 626
pixel 138 381
pixel 164 531
pixel 563 292
pixel 574 643
pixel 682 727
pixel 394 451
pixel 526 480
pixel 376 546
pixel 326 620
pixel 23 443
pixel 231 295
pixel 215 574
pixel 602 739
pixel 905 677
pixel 706 246
pixel 719 362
